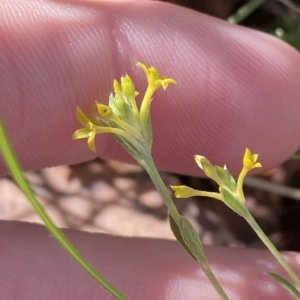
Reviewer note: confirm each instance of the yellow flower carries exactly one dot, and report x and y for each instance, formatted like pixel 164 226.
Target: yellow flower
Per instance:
pixel 86 132
pixel 183 191
pixel 154 82
pixel 91 129
pixel 121 117
pixel 223 178
pixel 154 79
pixel 208 169
pixel 249 163
pixel 250 160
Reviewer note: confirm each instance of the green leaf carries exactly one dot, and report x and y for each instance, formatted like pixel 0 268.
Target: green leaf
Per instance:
pixel 177 234
pixel 226 178
pixel 17 173
pixel 190 240
pixel 234 203
pixel 285 284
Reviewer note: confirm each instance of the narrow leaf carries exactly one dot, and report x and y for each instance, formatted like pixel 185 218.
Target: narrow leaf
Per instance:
pixel 285 284
pixel 177 234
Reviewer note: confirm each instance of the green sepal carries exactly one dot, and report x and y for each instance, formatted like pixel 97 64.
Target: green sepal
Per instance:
pixel 136 151
pixel 286 285
pixel 148 128
pixel 226 178
pixel 208 169
pixel 233 202
pixel 122 109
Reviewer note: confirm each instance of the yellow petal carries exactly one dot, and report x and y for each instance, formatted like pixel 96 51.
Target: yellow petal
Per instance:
pixel 91 141
pixel 154 79
pixel 254 158
pixel 183 191
pixel 164 82
pixel 257 165
pixel 144 68
pixel 250 160
pixel 81 133
pixel 104 111
pixel 83 119
pixel 117 87
pixel 247 155
pixel 128 87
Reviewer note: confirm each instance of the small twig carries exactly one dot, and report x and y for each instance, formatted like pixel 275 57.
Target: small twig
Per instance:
pixel 271 187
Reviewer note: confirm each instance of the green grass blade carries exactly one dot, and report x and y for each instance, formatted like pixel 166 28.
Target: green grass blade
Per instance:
pixel 17 173
pixel 286 285
pixel 244 11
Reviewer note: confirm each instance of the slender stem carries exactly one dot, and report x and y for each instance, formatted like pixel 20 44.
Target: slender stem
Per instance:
pixel 17 173
pixel 212 195
pixel 244 11
pixel 239 187
pixel 272 249
pixel 213 280
pixel 150 167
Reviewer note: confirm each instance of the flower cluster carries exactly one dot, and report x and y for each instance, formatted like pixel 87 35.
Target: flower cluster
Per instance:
pixel 226 182
pixel 121 117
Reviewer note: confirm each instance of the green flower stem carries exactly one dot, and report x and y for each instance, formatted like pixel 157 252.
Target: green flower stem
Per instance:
pixel 273 249
pixel 17 173
pixel 151 169
pixel 244 11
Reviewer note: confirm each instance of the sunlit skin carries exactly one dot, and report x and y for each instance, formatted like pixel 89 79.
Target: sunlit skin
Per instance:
pixel 58 55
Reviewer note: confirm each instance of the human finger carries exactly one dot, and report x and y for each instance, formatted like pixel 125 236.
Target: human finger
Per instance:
pixel 33 266
pixel 236 87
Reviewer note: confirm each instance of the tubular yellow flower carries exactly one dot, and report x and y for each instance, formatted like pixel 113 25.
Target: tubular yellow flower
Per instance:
pixel 154 82
pixel 249 163
pixel 128 87
pixel 129 92
pixel 208 169
pixel 87 132
pixel 154 79
pixel 250 160
pixel 183 191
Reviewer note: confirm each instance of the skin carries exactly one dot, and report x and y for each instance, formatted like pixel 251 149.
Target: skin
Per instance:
pixel 236 88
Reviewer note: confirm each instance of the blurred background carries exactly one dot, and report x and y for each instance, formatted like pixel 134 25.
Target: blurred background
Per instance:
pixel 116 198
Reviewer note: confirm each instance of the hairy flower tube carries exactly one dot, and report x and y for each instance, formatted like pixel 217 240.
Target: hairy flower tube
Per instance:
pixel 121 117
pixel 228 187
